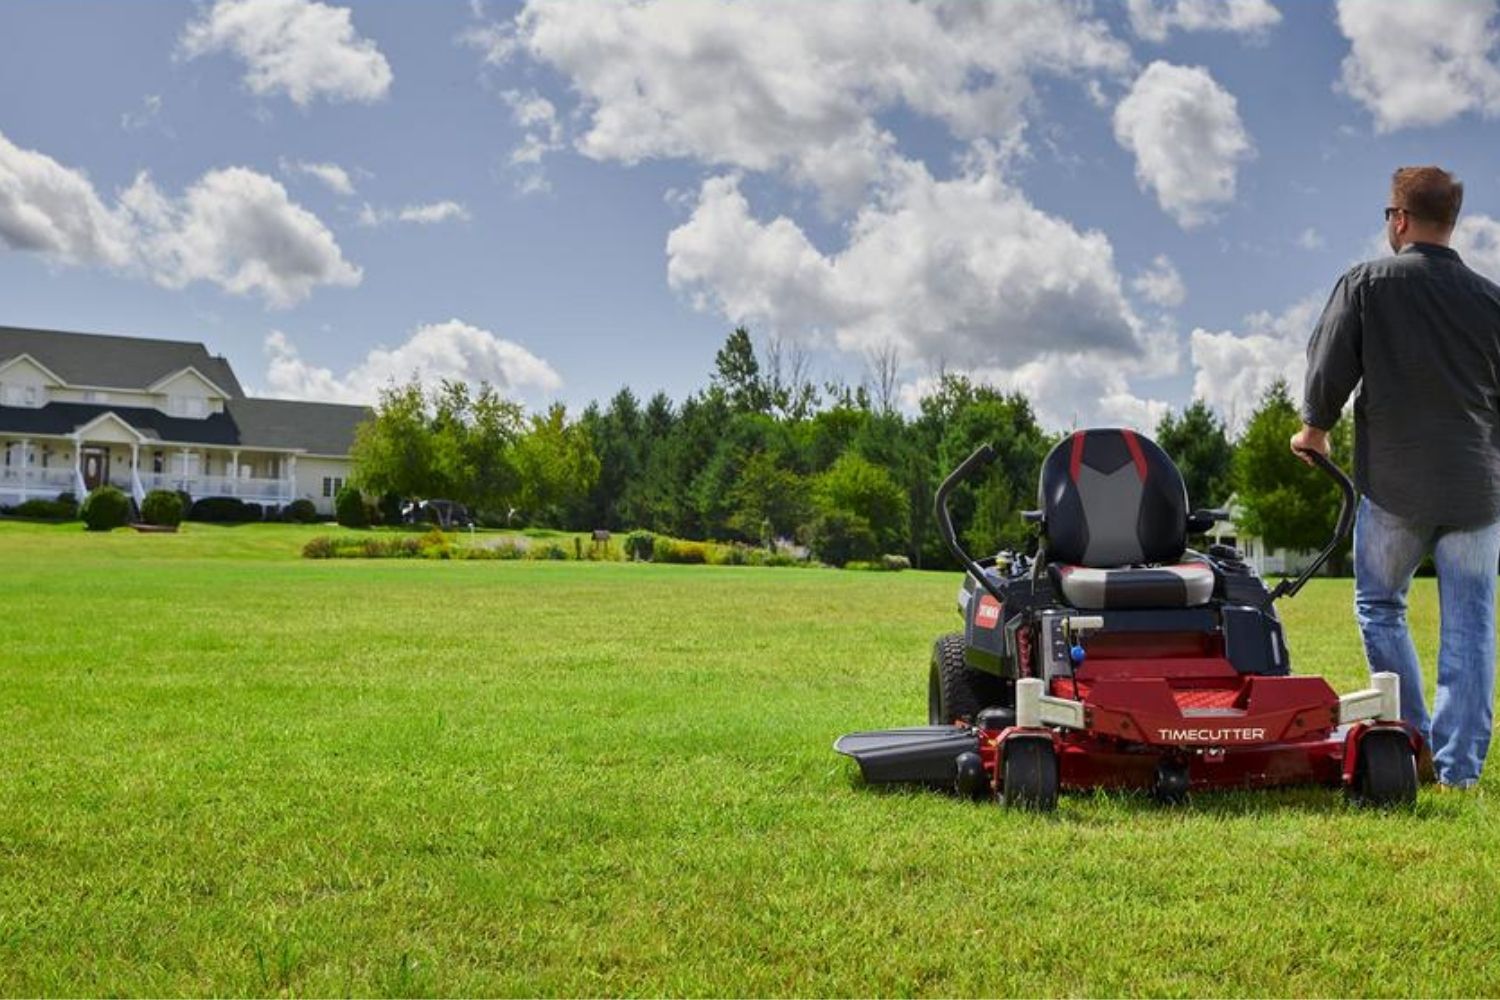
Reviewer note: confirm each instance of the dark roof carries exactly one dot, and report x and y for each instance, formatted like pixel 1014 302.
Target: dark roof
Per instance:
pixel 65 418
pixel 319 428
pixel 114 362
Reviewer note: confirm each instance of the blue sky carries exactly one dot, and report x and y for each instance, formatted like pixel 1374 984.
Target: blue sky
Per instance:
pixel 1111 207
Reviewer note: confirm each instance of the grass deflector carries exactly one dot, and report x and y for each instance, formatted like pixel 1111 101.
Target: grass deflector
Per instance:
pixel 1116 657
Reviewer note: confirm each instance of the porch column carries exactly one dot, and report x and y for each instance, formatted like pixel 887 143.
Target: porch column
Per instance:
pixel 289 481
pixel 135 473
pixel 78 466
pixel 25 465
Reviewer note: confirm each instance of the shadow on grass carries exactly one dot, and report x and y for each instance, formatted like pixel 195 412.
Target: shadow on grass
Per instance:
pixel 1312 800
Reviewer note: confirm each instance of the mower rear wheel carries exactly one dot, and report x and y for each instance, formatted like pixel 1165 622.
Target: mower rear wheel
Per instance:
pixel 1029 775
pixel 956 691
pixel 1385 776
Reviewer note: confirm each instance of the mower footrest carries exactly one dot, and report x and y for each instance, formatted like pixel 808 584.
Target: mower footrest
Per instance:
pixel 916 754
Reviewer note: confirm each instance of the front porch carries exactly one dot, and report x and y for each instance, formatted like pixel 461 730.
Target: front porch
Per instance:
pixel 45 467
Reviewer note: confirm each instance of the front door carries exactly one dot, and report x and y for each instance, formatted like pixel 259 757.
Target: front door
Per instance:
pixel 95 467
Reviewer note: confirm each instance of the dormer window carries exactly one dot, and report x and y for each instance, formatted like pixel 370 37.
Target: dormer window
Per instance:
pixel 187 406
pixel 20 395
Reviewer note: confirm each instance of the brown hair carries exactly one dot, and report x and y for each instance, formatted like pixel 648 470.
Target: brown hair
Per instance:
pixel 1429 193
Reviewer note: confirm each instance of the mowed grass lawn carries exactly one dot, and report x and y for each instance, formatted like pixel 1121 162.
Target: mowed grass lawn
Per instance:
pixel 228 770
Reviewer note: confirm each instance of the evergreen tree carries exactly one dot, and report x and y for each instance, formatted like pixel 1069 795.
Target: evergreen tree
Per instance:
pixel 1199 444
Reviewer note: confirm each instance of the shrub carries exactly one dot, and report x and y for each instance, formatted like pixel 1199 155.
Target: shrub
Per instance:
pixel 505 550
pixel 894 563
pixel 668 550
pixel 47 510
pixel 435 545
pixel 729 555
pixel 105 508
pixel 162 507
pixel 390 508
pixel 222 510
pixel 300 511
pixel 318 548
pixel 349 508
pixel 551 550
pixel 638 545
pixel 838 537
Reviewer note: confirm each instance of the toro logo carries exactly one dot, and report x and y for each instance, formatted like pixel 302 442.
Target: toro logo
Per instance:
pixel 1226 735
pixel 988 613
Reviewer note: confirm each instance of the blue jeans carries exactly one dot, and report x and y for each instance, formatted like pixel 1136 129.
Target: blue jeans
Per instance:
pixel 1387 551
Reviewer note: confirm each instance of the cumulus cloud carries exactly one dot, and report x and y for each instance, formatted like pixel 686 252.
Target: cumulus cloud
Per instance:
pixel 300 48
pixel 1477 240
pixel 798 88
pixel 1154 20
pixel 965 270
pixel 1424 63
pixel 538 116
pixel 54 210
pixel 1186 134
pixel 239 230
pixel 1160 283
pixel 330 175
pixel 234 227
pixel 1311 239
pixel 1232 370
pixel 425 215
pixel 452 350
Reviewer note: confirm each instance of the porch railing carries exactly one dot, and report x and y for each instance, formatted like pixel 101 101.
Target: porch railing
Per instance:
pixel 245 488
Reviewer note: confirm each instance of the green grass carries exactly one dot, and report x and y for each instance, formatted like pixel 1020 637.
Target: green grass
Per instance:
pixel 228 770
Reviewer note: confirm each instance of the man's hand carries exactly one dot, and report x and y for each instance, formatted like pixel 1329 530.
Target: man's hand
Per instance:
pixel 1308 439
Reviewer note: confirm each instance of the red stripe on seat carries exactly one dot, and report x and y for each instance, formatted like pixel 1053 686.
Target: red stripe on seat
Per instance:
pixel 1135 453
pixel 1075 461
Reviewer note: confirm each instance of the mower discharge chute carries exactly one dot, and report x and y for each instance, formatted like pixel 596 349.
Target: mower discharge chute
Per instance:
pixel 1117 657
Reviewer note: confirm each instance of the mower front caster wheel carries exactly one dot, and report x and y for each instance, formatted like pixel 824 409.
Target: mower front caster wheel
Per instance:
pixel 1385 776
pixel 1029 775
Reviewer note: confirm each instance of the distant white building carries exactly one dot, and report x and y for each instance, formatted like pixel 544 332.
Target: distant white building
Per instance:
pixel 1265 561
pixel 80 410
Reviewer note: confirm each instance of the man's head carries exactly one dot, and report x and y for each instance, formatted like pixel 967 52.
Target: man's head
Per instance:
pixel 1424 206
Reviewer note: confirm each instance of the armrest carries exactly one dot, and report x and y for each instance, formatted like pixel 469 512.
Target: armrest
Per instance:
pixel 1200 521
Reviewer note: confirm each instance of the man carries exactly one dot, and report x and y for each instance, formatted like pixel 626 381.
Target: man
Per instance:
pixel 1420 334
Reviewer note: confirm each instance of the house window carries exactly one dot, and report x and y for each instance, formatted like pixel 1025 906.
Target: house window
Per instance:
pixel 332 485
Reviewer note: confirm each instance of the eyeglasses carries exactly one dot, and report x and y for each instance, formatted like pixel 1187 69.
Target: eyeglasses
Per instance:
pixel 1392 210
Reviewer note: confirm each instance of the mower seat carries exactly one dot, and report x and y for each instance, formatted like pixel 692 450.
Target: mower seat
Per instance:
pixel 1114 513
pixel 1184 585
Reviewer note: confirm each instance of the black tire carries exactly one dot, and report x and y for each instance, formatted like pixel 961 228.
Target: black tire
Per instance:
pixel 1385 776
pixel 1029 775
pixel 954 689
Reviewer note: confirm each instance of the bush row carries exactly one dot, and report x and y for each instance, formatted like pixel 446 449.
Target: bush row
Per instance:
pixel 432 545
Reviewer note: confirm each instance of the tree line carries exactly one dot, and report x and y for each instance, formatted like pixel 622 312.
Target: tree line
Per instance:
pixel 765 455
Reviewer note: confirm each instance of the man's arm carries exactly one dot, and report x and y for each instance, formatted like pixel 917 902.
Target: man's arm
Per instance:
pixel 1334 366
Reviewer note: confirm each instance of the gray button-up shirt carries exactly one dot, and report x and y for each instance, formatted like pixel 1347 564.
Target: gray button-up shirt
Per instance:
pixel 1419 333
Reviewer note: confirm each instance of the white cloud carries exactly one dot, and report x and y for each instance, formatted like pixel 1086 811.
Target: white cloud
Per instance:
pixel 1422 63
pixel 1160 283
pixel 797 88
pixel 1477 240
pixel 964 271
pixel 1154 20
pixel 54 210
pixel 1311 239
pixel 301 48
pixel 237 229
pixel 233 227
pixel 331 175
pixel 436 351
pixel 538 116
pixel 1232 371
pixel 429 214
pixel 149 113
pixel 1185 132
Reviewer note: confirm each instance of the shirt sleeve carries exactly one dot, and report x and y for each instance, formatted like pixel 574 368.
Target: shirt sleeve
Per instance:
pixel 1334 356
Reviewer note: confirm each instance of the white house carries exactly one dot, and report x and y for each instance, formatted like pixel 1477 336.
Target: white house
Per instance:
pixel 79 410
pixel 1265 561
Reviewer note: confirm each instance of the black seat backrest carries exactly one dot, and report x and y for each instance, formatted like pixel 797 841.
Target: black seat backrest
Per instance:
pixel 1112 498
